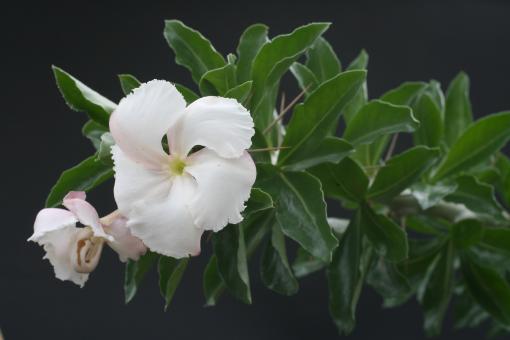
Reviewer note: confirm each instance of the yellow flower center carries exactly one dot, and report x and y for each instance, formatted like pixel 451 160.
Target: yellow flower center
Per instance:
pixel 176 166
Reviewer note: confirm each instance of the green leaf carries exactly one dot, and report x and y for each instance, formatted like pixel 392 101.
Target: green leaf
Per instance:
pixel 259 201
pixel 345 180
pixel 306 79
pixel 477 196
pixel 212 284
pixel 360 62
pixel 322 60
pixel 313 120
pixel 218 81
pixel 192 50
pixel 345 278
pixel 83 177
pixel 300 209
pixel 497 240
pixel 466 233
pixel 404 94
pixel 250 43
pixel 82 98
pixel 93 131
pixel 189 95
pixel 387 280
pixel 429 195
pixel 104 154
pixel 467 312
pixel 275 271
pixel 438 291
pixel 305 264
pixel 479 141
pixel 378 118
pixel 458 115
pixel 135 273
pixel 330 150
pixel 488 288
pixel 430 132
pixel 272 61
pixel 240 93
pixel 128 83
pixel 170 274
pixel 230 250
pixel 401 171
pixel 388 239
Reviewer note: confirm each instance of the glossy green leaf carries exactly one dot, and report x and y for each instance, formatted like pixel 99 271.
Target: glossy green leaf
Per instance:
pixel 345 180
pixel 241 93
pixel 83 177
pixel 313 120
pixel 378 118
pixel 307 81
pixel 192 50
pixel 430 132
pixel 82 98
pixel 275 271
pixel 170 274
pixel 428 195
pixel 218 81
pixel 300 209
pixel 479 141
pixel 322 60
pixel 388 238
pixel 345 278
pixel 477 196
pixel 438 291
pixel 458 115
pixel 230 250
pixel 189 95
pixel 128 83
pixel 466 233
pixel 250 43
pixel 94 131
pixel 135 273
pixel 401 171
pixel 489 289
pixel 330 150
pixel 272 61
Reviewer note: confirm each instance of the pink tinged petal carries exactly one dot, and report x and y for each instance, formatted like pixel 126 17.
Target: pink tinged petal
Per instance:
pixel 223 185
pixel 86 215
pixel 220 124
pixel 135 183
pixel 51 219
pixel 125 244
pixel 166 225
pixel 76 194
pixel 141 119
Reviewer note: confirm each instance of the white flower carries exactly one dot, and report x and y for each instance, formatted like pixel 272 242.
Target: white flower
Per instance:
pixel 171 198
pixel 75 252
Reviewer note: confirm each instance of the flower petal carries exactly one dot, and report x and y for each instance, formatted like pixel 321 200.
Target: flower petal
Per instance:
pixel 55 230
pixel 134 182
pixel 142 119
pixel 220 124
pixel 166 225
pixel 85 213
pixel 223 185
pixel 125 244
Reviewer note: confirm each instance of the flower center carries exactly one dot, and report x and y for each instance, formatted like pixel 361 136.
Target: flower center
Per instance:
pixel 176 166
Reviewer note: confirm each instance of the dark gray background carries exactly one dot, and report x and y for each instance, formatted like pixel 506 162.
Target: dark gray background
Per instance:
pixel 95 41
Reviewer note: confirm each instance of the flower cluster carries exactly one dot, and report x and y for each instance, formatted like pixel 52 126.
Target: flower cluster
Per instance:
pixel 179 171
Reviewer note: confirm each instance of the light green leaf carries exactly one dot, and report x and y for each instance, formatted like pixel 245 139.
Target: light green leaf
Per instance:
pixel 388 239
pixel 322 60
pixel 458 115
pixel 330 150
pixel 250 43
pixel 360 62
pixel 135 273
pixel 83 177
pixel 300 209
pixel 128 83
pixel 275 271
pixel 170 274
pixel 241 93
pixel 81 98
pixel 230 250
pixel 313 120
pixel 378 118
pixel 345 180
pixel 476 144
pixel 306 79
pixel 401 171
pixel 192 50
